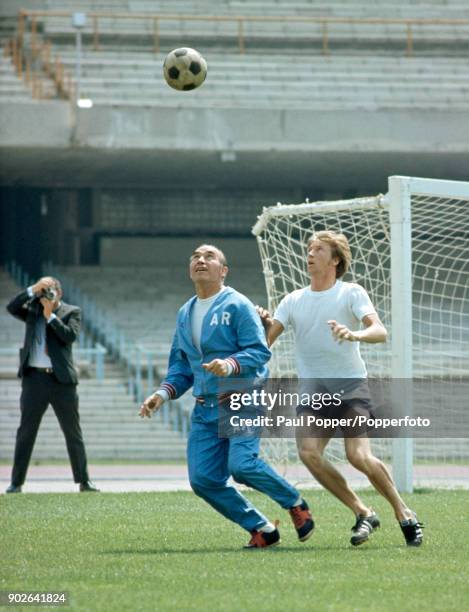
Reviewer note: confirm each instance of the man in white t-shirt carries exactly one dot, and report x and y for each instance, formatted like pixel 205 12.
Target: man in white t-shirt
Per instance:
pixel 327 319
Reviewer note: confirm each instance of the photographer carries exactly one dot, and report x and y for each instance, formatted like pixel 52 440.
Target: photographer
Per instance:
pixel 48 376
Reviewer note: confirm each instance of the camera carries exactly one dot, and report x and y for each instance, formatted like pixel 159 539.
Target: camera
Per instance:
pixel 49 293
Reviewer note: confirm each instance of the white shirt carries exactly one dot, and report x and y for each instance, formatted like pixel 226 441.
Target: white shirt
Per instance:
pixel 318 355
pixel 199 310
pixel 38 356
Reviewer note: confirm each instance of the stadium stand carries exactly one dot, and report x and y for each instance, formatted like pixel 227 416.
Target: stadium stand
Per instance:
pixel 364 70
pixel 335 8
pixel 268 27
pixel 108 413
pixel 248 81
pixel 12 89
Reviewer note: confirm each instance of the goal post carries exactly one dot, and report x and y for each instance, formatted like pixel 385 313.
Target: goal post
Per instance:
pixel 399 198
pixel 411 253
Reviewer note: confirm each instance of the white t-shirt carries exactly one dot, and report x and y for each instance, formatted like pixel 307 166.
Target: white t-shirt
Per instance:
pixel 199 310
pixel 318 355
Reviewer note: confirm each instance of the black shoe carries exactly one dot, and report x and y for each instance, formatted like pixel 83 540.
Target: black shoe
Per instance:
pixel 363 528
pixel 262 539
pixel 412 531
pixel 13 489
pixel 303 521
pixel 88 487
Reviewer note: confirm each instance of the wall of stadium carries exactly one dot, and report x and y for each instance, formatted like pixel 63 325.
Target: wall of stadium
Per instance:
pixel 47 144
pixel 56 124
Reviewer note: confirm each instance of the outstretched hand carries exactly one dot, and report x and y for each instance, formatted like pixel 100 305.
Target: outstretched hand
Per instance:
pixel 219 367
pixel 151 405
pixel 341 332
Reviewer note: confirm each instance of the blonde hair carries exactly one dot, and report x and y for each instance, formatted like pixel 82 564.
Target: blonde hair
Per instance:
pixel 339 248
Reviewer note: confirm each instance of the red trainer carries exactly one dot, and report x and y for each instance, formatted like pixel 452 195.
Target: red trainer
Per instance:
pixel 303 521
pixel 263 539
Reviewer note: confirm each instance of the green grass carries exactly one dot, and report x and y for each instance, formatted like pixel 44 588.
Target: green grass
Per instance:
pixel 171 551
pixel 66 462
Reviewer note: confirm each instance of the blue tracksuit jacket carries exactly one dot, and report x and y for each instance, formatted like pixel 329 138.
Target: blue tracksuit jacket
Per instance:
pixel 231 330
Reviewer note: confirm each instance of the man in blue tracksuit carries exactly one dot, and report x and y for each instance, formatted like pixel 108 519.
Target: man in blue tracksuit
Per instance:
pixel 219 334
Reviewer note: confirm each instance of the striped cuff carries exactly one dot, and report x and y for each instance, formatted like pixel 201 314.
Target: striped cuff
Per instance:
pixel 234 363
pixel 170 389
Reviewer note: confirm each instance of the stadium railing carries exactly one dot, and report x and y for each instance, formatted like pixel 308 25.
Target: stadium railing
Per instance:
pixel 33 62
pixel 406 25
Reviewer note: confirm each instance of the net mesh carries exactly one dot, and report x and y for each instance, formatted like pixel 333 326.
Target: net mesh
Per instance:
pixel 440 293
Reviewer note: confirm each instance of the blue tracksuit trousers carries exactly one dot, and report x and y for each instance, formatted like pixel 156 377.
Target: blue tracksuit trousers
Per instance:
pixel 212 460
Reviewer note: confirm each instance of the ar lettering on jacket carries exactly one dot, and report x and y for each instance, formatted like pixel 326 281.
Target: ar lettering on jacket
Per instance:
pixel 224 319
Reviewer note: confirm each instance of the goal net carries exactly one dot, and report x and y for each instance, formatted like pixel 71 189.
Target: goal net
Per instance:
pixel 411 253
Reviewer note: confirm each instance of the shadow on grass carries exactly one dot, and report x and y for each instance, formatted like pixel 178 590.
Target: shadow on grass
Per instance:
pixel 277 550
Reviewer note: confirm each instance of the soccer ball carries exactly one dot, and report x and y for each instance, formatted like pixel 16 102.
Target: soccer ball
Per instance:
pixel 184 69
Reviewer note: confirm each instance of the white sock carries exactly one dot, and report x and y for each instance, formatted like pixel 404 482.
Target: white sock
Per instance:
pixel 298 502
pixel 267 528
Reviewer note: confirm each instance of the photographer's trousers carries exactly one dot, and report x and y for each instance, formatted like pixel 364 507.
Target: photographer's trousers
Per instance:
pixel 40 389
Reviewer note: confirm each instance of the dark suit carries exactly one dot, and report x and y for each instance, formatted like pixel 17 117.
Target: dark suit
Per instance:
pixel 39 389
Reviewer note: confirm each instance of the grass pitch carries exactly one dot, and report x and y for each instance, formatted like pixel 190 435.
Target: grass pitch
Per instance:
pixel 171 551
